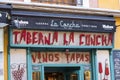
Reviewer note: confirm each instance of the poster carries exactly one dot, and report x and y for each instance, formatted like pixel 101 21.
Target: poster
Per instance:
pixel 103 65
pixel 18 64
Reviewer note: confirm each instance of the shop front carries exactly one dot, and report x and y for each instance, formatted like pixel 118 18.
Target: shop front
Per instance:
pixel 53 46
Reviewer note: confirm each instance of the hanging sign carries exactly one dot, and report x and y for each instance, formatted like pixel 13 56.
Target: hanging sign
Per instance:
pixel 35 37
pixel 60 57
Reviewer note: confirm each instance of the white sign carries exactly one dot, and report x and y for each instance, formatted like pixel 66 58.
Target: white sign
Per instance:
pixel 60 57
pixel 35 37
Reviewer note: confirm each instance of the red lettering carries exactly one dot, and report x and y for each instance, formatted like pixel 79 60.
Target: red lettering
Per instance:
pixel 71 37
pixel 40 38
pixel 39 57
pixel 103 40
pixel 55 37
pixel 44 56
pixel 87 57
pixel 81 57
pixel 72 57
pixel 77 57
pixel 65 40
pixel 34 37
pixel 81 37
pixel 34 58
pixel 23 35
pixel 97 40
pixel 57 57
pixel 87 40
pixel 16 35
pixel 110 38
pixel 47 39
pixel 67 56
pixel 93 40
pixel 28 38
pixel 51 57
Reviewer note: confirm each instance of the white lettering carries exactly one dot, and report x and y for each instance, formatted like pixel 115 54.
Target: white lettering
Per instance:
pixel 69 25
pixel 107 26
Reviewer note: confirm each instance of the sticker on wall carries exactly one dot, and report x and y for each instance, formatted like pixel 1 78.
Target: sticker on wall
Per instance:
pixel 18 64
pixel 103 65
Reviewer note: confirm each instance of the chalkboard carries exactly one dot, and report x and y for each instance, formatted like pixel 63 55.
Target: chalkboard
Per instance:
pixel 116 60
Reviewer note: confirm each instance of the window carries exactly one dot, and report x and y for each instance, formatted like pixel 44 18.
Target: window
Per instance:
pixel 66 2
pixel 81 3
pixel 17 0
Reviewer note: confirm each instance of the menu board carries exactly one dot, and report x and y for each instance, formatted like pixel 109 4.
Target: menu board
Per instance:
pixel 116 60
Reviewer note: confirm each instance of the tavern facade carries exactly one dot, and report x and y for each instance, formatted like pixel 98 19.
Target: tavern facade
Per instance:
pixel 59 46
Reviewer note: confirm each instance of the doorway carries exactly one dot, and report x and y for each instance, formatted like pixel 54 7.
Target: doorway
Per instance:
pixel 61 73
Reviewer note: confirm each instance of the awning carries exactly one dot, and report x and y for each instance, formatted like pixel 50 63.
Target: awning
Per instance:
pixel 62 21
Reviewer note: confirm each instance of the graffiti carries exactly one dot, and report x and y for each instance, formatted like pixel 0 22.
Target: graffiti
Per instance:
pixel 18 71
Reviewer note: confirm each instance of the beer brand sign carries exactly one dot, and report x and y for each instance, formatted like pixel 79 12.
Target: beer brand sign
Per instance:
pixel 36 37
pixel 60 57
